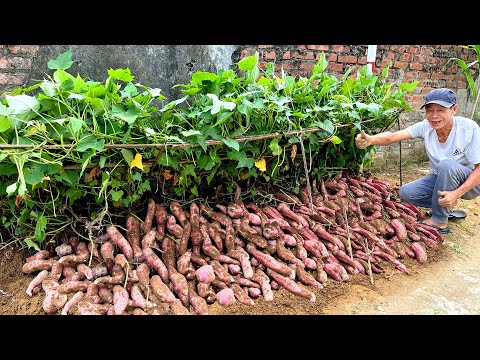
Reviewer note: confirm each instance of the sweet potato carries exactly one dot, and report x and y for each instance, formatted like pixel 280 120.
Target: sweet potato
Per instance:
pixel 241 295
pixel 37 265
pixel 226 297
pixel 205 274
pixel 120 299
pixel 161 220
pixel 86 270
pixel 54 301
pixel 117 277
pixel 40 255
pixel 89 308
pixel 156 263
pixel 184 263
pixel 107 251
pixel 143 274
pixel 306 278
pixel 72 302
pixel 161 290
pixel 148 240
pixel 133 232
pixel 149 216
pixel 234 269
pixel 138 298
pixel 81 256
pixel 254 292
pixel 180 287
pixel 420 252
pixel 182 246
pixel 37 280
pixel 292 286
pixel 99 270
pixel 399 265
pixel 120 241
pixel 271 263
pixel 63 249
pixel 199 304
pixel 244 260
pixel 73 286
pixel 178 308
pixel 205 290
pixel 261 278
pixel 173 227
pixel 168 253
pixel 220 272
pixel 56 271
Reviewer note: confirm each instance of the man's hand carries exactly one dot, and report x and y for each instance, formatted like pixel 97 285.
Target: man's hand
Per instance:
pixel 447 199
pixel 362 140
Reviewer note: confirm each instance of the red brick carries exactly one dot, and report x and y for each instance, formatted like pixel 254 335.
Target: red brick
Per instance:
pixel 329 57
pixel 24 49
pixel 298 55
pixel 400 64
pixel 12 79
pixel 347 59
pixel 416 66
pixel 270 55
pixel 286 55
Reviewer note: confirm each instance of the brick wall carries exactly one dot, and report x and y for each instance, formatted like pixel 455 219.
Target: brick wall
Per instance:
pixel 427 64
pixel 15 64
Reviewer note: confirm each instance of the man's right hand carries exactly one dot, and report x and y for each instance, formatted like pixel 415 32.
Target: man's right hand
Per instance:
pixel 362 140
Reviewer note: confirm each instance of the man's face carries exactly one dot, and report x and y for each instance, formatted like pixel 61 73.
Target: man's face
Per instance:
pixel 439 116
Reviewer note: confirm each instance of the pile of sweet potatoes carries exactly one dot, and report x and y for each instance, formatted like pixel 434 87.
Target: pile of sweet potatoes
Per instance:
pixel 179 259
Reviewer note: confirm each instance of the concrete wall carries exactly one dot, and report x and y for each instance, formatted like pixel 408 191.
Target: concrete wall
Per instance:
pixel 159 66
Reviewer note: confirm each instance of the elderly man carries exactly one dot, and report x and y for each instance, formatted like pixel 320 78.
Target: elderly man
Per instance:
pixel 452 144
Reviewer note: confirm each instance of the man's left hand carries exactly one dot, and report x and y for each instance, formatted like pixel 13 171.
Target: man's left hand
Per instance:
pixel 447 199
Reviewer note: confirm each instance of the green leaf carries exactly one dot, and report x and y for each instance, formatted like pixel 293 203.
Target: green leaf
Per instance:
pixel 22 105
pixel 40 228
pixel 90 142
pixel 68 176
pixel 73 195
pixel 189 170
pixel 76 124
pixel 194 190
pixel 275 148
pixel 127 155
pixel 191 133
pixel 205 162
pixel 116 195
pixel 129 91
pixel 4 110
pixel 209 131
pixel 11 189
pixel 231 143
pixel 4 124
pixel 121 74
pixel 35 172
pixel 62 62
pixel 48 88
pixel 335 140
pixel 144 186
pixel 248 63
pixel 200 76
pixel 130 115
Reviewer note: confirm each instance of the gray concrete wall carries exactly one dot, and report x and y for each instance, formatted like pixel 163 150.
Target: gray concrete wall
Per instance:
pixel 156 66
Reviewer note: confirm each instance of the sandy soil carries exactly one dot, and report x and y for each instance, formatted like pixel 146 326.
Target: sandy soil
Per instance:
pixel 448 284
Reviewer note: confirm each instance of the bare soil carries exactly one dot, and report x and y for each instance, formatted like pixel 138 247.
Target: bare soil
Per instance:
pixel 448 284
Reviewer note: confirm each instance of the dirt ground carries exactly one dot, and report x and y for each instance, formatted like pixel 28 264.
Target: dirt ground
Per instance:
pixel 448 284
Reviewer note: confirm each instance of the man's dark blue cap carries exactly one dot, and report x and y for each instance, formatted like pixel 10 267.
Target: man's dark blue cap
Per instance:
pixel 442 96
